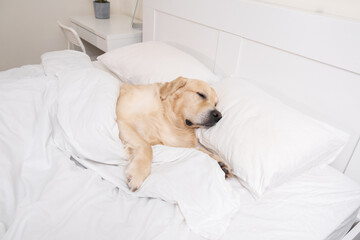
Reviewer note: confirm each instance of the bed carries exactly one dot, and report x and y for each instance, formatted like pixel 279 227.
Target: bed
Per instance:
pixel 62 164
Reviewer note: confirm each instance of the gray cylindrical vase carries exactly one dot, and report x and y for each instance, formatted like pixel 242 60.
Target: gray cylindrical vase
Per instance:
pixel 102 10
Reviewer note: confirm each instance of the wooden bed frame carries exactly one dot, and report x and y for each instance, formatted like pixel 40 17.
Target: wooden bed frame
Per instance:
pixel 308 60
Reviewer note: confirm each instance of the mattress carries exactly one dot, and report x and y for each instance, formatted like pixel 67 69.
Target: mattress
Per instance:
pixel 46 195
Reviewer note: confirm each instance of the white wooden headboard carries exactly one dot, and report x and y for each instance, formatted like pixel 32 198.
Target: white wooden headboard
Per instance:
pixel 310 61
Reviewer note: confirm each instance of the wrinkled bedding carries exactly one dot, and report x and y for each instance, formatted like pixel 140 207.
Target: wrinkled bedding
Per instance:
pixel 39 156
pixel 46 193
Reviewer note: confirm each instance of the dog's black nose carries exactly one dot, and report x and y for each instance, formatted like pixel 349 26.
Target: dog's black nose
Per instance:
pixel 216 115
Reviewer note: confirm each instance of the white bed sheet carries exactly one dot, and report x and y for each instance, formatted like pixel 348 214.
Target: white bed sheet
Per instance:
pixel 57 199
pixel 320 204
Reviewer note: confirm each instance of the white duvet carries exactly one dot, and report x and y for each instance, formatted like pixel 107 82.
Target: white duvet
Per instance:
pixel 44 194
pixel 34 170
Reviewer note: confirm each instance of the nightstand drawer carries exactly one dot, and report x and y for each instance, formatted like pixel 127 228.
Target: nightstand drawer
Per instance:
pixel 120 42
pixel 90 37
pixel 106 34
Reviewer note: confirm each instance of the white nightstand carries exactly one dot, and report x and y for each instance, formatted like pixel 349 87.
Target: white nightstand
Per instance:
pixel 106 34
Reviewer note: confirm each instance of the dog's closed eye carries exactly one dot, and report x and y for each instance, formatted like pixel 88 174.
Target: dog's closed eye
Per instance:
pixel 201 95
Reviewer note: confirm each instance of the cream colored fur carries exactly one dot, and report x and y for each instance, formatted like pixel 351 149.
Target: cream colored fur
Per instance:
pixel 161 114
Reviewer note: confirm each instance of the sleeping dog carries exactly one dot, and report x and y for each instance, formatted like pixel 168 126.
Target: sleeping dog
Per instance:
pixel 167 114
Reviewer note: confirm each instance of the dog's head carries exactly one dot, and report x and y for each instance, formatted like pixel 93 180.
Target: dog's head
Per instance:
pixel 193 101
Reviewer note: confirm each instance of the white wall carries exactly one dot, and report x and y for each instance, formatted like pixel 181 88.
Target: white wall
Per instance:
pixel 28 28
pixel 341 8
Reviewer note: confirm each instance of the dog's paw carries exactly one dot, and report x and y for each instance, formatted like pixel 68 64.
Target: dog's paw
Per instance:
pixel 136 175
pixel 226 169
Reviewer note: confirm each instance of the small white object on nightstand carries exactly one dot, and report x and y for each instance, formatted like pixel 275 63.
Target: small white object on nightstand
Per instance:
pixel 106 34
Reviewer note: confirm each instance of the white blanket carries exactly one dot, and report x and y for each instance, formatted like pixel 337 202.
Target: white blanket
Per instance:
pixel 41 187
pixel 46 195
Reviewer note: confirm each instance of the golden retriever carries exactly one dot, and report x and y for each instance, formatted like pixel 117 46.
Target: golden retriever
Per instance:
pixel 167 114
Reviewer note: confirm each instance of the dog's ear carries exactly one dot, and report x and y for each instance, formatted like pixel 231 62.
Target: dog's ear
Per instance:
pixel 167 89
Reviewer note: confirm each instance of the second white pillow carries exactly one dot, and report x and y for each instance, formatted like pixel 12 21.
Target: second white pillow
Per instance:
pixel 154 61
pixel 265 141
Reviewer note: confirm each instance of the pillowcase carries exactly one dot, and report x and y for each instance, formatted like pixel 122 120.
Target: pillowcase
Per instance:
pixel 153 61
pixel 84 117
pixel 266 142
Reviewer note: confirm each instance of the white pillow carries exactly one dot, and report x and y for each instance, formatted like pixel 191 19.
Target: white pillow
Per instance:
pixel 265 141
pixel 85 119
pixel 153 61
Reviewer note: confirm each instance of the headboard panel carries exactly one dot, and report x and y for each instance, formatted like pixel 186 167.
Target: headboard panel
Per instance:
pixel 310 61
pixel 205 38
pixel 319 37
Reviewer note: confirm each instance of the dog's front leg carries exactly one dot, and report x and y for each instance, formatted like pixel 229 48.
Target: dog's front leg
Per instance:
pixel 140 152
pixel 226 169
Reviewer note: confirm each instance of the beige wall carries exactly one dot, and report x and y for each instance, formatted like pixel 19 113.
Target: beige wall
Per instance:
pixel 28 28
